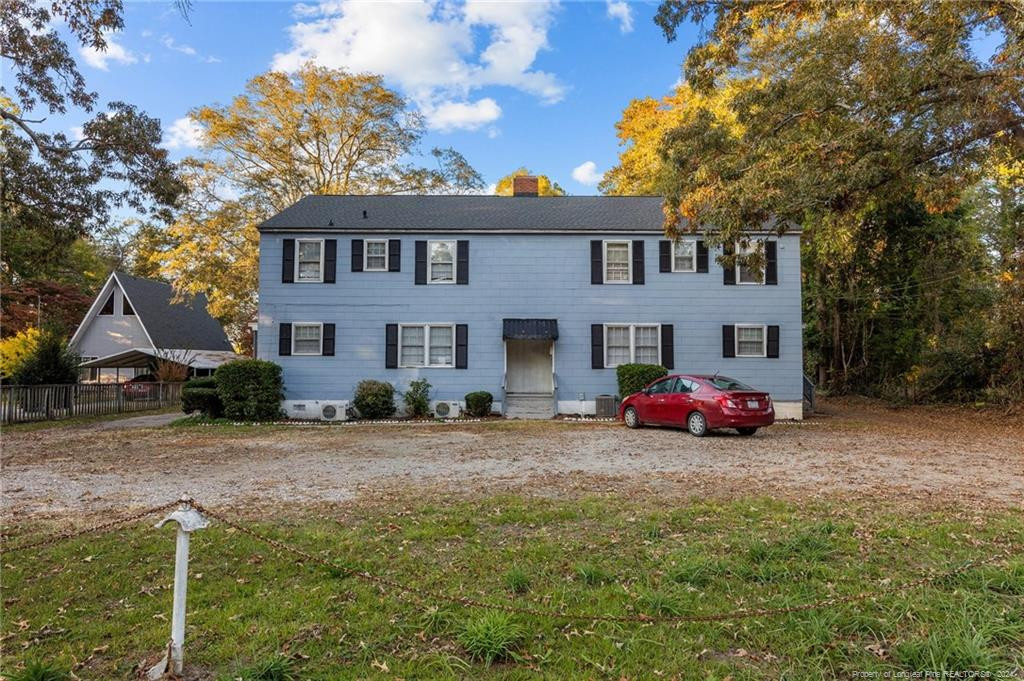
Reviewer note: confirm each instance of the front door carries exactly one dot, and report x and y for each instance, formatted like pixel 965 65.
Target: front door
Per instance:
pixel 528 366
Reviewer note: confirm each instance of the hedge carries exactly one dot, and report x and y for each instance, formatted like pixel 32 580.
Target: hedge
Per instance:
pixel 200 394
pixel 250 389
pixel 417 398
pixel 479 403
pixel 633 377
pixel 375 399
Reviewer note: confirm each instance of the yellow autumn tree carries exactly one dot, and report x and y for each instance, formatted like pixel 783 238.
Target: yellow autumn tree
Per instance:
pixel 315 131
pixel 545 187
pixel 16 348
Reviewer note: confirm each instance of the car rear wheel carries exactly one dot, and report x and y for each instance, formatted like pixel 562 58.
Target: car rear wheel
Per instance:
pixel 631 418
pixel 697 424
pixel 747 431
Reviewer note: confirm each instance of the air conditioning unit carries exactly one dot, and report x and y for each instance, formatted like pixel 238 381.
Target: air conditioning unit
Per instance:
pixel 316 410
pixel 447 409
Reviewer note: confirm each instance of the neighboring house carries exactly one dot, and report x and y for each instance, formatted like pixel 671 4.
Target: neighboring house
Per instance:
pixel 535 300
pixel 134 322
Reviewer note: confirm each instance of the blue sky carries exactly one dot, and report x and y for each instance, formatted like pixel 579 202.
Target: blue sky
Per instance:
pixel 506 83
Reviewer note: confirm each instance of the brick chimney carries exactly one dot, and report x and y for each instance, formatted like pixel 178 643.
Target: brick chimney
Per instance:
pixel 525 185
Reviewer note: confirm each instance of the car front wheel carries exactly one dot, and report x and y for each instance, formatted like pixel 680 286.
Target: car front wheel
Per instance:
pixel 631 418
pixel 697 424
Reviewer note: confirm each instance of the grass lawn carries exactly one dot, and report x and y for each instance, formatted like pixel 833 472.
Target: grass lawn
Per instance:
pixel 100 605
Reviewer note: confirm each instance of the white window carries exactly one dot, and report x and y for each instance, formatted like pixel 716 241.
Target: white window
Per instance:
pixel 309 260
pixel 750 340
pixel 744 274
pixel 376 255
pixel 426 345
pixel 627 343
pixel 441 263
pixel 684 256
pixel 307 339
pixel 618 266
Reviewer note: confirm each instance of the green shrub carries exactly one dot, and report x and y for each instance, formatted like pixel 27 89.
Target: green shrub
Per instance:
pixel 492 636
pixel 250 389
pixel 203 400
pixel 417 398
pixel 633 377
pixel 375 399
pixel 51 362
pixel 479 403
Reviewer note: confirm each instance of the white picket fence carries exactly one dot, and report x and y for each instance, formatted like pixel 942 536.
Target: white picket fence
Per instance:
pixel 24 403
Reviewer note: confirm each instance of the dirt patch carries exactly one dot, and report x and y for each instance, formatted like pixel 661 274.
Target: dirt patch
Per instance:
pixel 932 456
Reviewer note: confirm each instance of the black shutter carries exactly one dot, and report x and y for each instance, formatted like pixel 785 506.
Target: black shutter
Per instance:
pixel 357 255
pixel 462 262
pixel 728 340
pixel 668 348
pixel 702 256
pixel 330 260
pixel 394 255
pixel 771 263
pixel 596 262
pixel 391 346
pixel 773 341
pixel 327 345
pixel 421 262
pixel 461 346
pixel 638 262
pixel 728 271
pixel 288 261
pixel 597 346
pixel 284 340
pixel 664 256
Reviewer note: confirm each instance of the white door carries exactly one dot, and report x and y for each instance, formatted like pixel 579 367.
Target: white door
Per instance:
pixel 528 363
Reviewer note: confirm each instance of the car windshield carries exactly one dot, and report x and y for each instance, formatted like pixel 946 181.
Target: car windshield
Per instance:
pixel 726 383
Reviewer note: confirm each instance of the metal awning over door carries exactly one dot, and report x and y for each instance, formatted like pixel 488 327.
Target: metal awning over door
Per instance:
pixel 529 329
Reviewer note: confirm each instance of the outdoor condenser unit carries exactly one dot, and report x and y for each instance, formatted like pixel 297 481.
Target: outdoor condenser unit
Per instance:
pixel 607 406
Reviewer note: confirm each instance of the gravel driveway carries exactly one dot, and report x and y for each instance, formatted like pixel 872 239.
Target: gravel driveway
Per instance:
pixel 930 456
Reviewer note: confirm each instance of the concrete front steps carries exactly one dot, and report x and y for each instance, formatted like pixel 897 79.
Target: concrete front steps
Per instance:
pixel 529 405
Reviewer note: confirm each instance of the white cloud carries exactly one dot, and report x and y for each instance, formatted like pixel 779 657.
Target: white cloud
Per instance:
pixel 184 133
pixel 586 173
pixel 429 50
pixel 621 12
pixel 449 116
pixel 115 52
pixel 77 133
pixel 185 49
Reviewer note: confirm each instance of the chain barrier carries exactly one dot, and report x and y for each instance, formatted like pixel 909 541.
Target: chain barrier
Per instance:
pixel 742 613
pixel 431 595
pixel 97 529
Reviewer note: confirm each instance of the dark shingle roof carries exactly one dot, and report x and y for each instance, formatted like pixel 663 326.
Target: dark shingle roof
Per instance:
pixel 178 326
pixel 471 214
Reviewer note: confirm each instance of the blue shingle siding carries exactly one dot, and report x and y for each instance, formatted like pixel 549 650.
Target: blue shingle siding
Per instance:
pixel 524 276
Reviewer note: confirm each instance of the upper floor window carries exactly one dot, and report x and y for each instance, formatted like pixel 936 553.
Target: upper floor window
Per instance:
pixel 684 256
pixel 745 274
pixel 309 261
pixel 426 345
pixel 441 262
pixel 750 340
pixel 617 262
pixel 307 339
pixel 126 307
pixel 629 343
pixel 376 255
pixel 108 307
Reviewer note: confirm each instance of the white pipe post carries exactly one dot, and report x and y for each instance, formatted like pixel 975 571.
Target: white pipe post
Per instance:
pixel 188 520
pixel 178 609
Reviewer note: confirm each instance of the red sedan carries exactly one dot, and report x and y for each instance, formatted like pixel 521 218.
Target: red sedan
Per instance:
pixel 700 404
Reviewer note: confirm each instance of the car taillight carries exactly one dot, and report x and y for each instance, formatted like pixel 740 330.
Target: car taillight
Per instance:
pixel 726 402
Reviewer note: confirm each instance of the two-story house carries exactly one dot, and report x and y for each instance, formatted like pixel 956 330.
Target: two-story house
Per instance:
pixel 535 300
